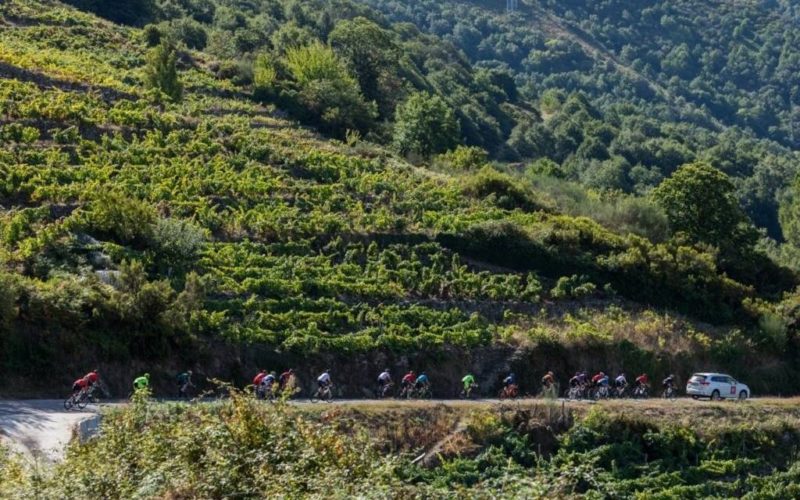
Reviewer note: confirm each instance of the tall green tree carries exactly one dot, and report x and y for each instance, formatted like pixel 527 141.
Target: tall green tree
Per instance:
pixel 700 201
pixel 326 91
pixel 372 54
pixel 425 125
pixel 789 214
pixel 162 70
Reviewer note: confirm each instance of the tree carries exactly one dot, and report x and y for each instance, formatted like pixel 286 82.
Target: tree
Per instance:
pixel 425 125
pixel 370 51
pixel 789 214
pixel 162 71
pixel 700 201
pixel 326 91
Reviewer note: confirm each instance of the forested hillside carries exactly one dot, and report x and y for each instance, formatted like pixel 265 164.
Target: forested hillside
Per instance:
pixel 669 82
pixel 224 185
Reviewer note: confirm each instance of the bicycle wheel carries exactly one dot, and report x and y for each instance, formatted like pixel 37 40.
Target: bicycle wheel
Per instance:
pixel 315 397
pixel 69 403
pixel 83 400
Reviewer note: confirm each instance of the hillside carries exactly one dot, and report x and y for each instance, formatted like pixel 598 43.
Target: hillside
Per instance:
pixel 158 219
pixel 670 82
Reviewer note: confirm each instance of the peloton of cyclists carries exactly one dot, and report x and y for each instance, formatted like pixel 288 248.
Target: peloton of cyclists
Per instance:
pixel 266 383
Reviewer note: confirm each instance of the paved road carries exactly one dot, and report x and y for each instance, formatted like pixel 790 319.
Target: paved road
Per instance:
pixel 39 428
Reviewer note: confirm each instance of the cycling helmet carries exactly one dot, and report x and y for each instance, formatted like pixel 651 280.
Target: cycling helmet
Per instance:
pixel 386 369
pixel 550 373
pixel 147 375
pixel 272 373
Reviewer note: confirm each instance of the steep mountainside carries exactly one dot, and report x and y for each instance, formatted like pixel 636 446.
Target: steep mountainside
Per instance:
pixel 157 213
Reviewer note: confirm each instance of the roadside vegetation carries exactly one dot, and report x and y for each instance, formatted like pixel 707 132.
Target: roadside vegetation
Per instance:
pixel 244 447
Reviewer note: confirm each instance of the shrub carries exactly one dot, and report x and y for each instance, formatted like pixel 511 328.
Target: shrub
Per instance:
pixel 573 287
pixel 121 217
pixel 265 76
pixel 162 72
pixel 507 192
pixel 463 158
pixel 176 243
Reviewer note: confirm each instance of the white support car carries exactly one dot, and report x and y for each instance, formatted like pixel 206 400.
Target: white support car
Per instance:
pixel 716 386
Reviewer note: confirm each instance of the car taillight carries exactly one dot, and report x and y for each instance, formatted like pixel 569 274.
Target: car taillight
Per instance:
pixel 705 383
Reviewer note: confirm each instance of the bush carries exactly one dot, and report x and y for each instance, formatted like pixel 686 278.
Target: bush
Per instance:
pixel 265 76
pixel 151 35
pixel 162 72
pixel 463 158
pixel 121 217
pixel 573 287
pixel 506 191
pixel 176 243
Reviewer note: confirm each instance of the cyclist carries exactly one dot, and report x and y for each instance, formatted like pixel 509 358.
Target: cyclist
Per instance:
pixel 80 385
pixel 597 378
pixel 92 377
pixel 184 382
pixel 469 383
pixel 669 382
pixel 641 380
pixel 324 380
pixel 548 380
pixel 267 382
pixel 384 379
pixel 142 382
pixel 286 378
pixel 576 380
pixel 621 382
pixel 422 382
pixel 510 380
pixel 259 377
pixel 408 380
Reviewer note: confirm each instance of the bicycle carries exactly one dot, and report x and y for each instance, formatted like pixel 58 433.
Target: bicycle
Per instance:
pixel 600 393
pixel 640 392
pixel 509 392
pixel 322 393
pixel 85 396
pixel 468 393
pixel 670 393
pixel 423 392
pixel 620 392
pixel 183 390
pixel 549 391
pixel 384 391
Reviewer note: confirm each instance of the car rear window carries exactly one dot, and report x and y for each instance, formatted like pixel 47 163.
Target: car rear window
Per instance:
pixel 697 379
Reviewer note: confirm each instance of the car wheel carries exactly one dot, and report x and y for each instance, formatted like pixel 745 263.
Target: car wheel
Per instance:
pixel 715 395
pixel 695 398
pixel 742 395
